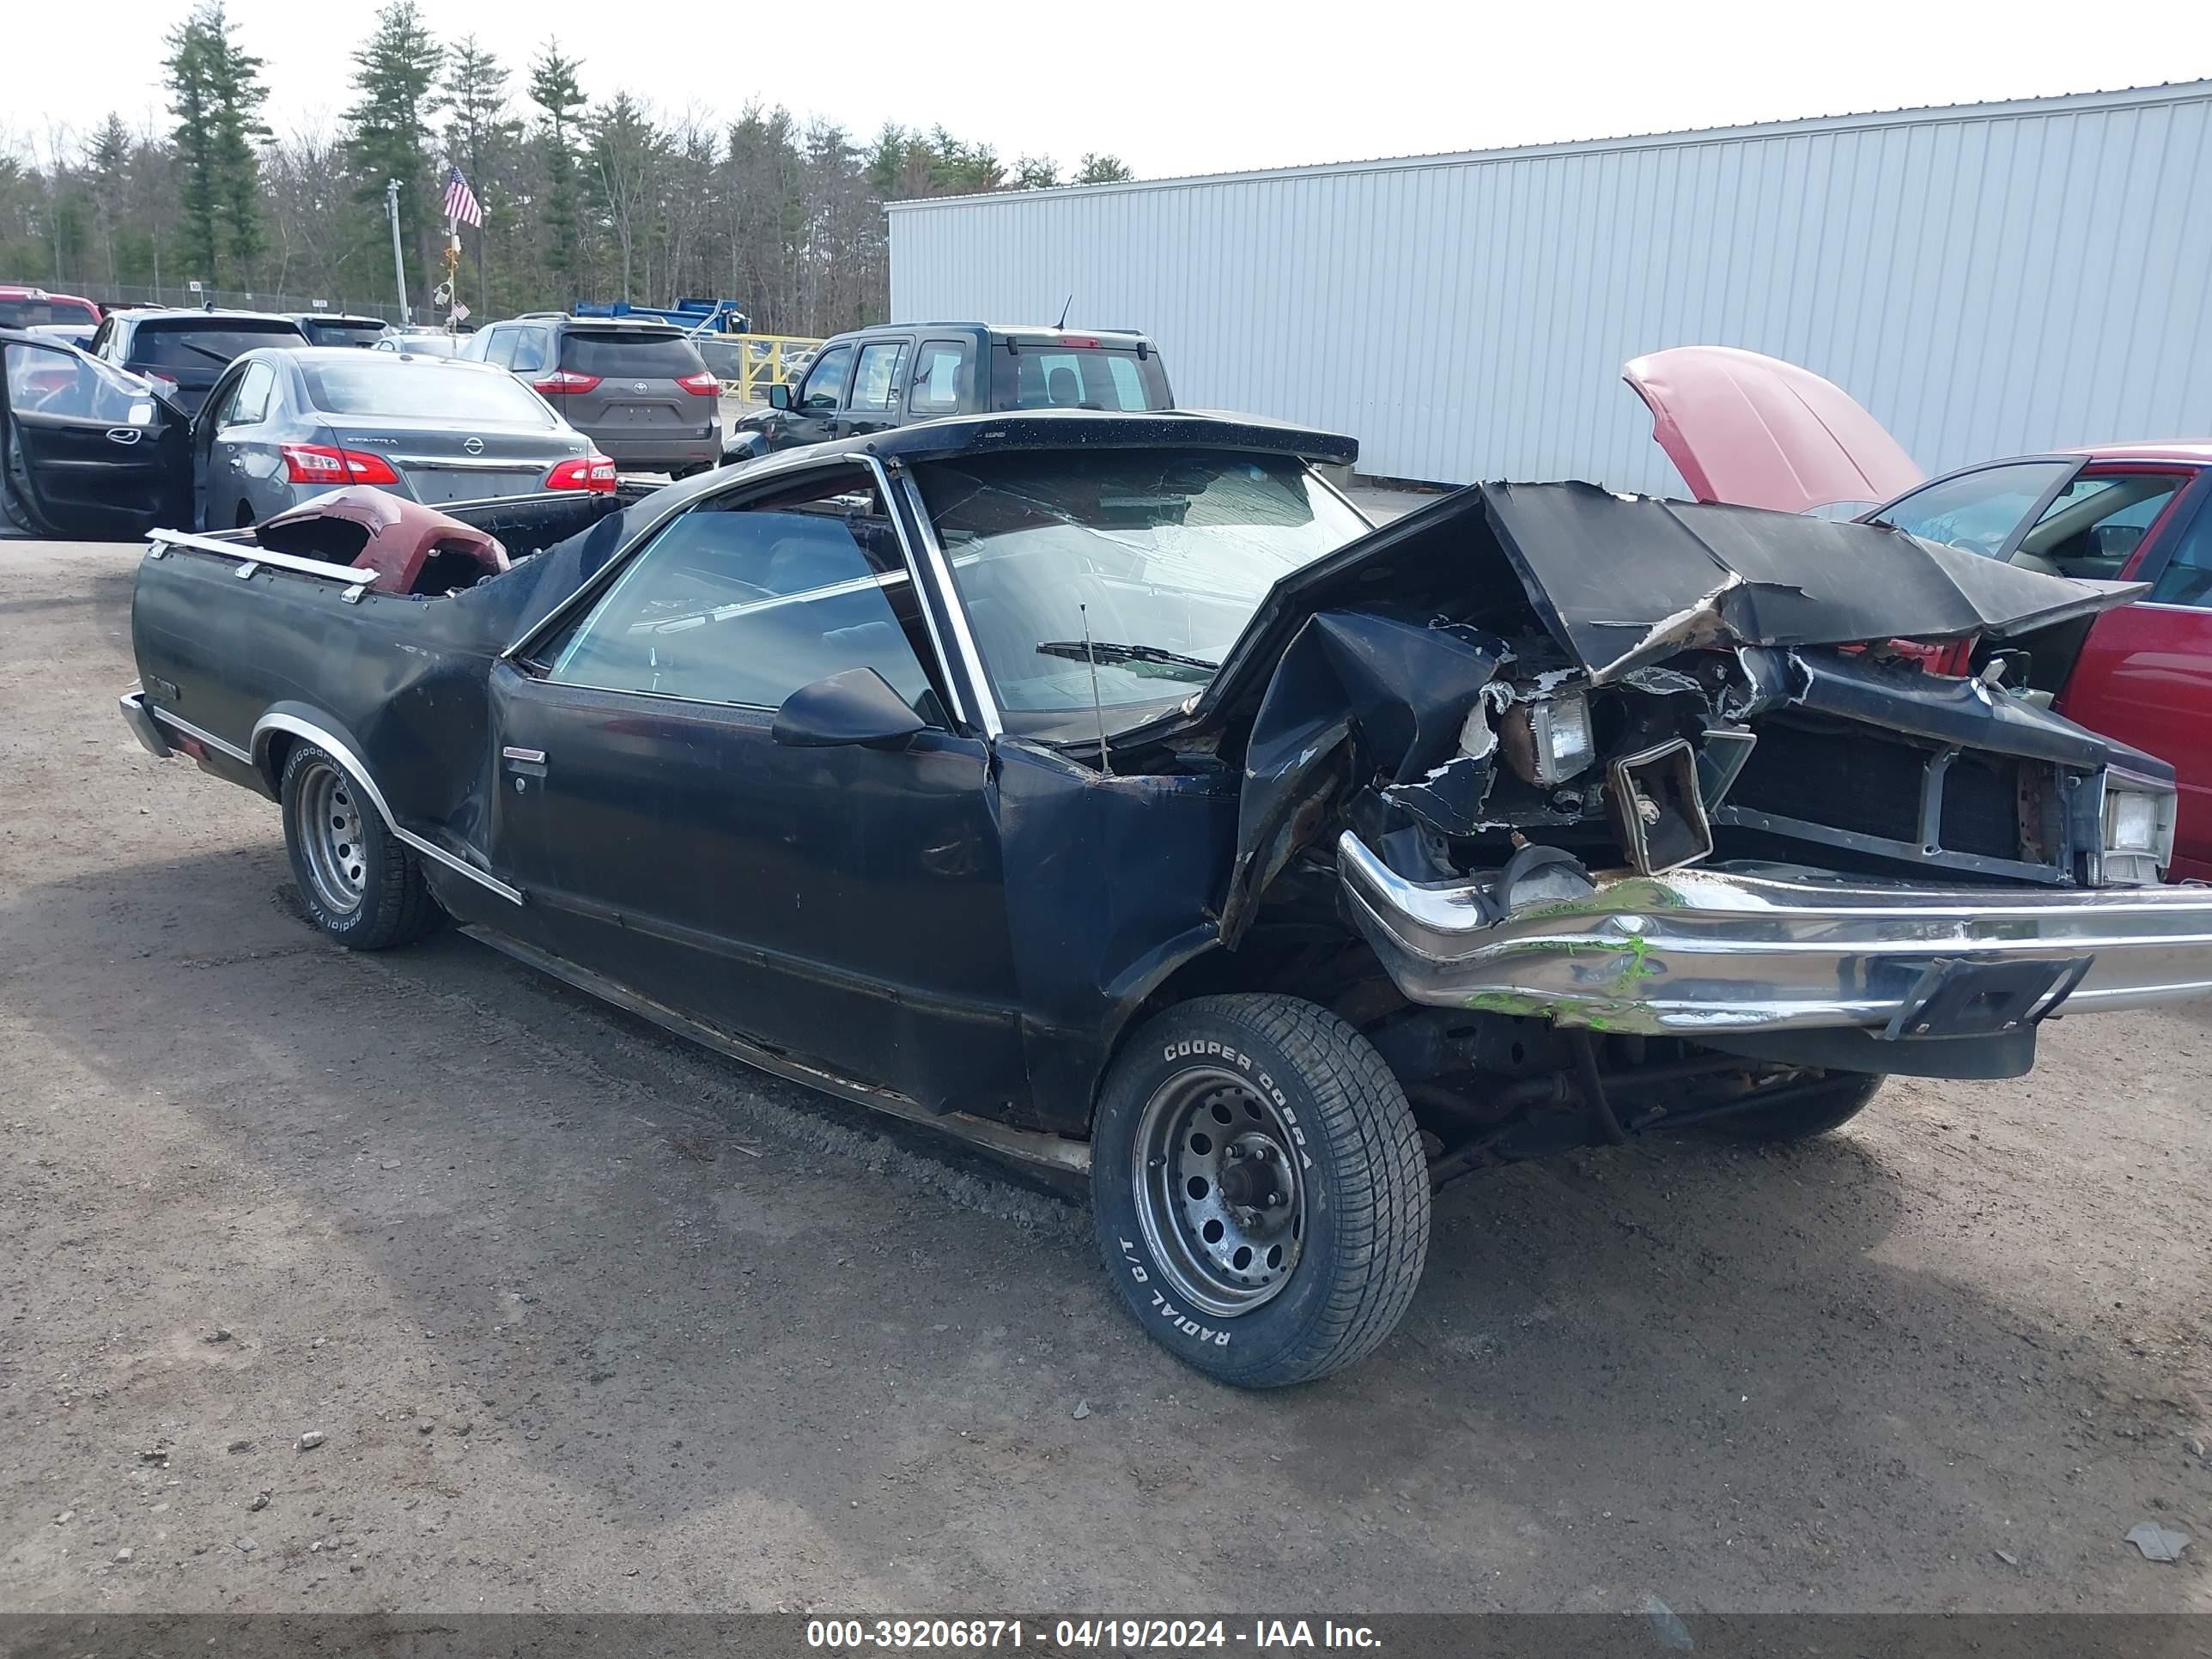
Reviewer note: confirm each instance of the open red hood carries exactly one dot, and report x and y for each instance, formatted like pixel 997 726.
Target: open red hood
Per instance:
pixel 1755 431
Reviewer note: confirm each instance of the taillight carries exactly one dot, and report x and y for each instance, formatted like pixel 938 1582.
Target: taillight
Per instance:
pixel 593 472
pixel 563 379
pixel 317 464
pixel 704 384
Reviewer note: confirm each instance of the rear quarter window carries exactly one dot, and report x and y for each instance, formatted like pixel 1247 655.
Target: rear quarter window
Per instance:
pixel 654 357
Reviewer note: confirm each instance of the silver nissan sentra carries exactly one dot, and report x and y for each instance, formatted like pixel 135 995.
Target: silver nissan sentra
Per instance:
pixel 282 426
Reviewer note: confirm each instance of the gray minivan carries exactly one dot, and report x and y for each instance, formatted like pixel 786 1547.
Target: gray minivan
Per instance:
pixel 894 373
pixel 638 389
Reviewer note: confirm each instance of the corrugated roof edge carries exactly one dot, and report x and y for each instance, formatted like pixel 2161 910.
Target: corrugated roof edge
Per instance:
pixel 2174 92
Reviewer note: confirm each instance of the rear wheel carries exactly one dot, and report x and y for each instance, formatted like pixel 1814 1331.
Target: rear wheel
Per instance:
pixel 358 883
pixel 1812 1108
pixel 1261 1197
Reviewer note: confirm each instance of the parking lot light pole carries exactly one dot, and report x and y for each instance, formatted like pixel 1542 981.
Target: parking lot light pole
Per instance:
pixel 399 265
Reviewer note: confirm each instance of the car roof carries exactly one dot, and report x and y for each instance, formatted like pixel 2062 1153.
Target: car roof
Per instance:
pixel 315 354
pixel 189 314
pixel 2196 451
pixel 16 291
pixel 333 317
pixel 1043 331
pixel 1084 429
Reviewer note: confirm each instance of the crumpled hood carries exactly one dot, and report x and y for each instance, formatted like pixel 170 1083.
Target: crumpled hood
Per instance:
pixel 1624 580
pixel 1396 637
pixel 1755 430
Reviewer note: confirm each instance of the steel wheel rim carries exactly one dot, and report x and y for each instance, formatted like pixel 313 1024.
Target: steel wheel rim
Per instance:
pixel 331 828
pixel 1220 1194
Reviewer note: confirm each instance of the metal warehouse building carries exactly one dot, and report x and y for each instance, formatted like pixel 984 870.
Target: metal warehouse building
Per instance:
pixel 1987 279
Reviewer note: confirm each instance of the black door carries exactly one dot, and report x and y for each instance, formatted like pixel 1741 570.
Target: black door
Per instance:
pixel 91 453
pixel 843 906
pixel 878 377
pixel 817 407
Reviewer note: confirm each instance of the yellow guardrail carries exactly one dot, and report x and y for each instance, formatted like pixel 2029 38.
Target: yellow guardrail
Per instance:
pixel 748 364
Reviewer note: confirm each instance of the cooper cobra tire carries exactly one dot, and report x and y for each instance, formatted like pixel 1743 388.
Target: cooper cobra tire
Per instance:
pixel 358 883
pixel 1262 1196
pixel 1828 1105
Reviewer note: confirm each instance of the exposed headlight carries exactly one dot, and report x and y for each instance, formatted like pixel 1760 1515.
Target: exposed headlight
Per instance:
pixel 1547 742
pixel 2138 832
pixel 2130 822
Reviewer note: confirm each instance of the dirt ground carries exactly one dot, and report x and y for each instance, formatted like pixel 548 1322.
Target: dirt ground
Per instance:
pixel 588 1319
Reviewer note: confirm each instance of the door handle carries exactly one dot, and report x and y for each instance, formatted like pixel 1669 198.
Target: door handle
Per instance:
pixel 237 464
pixel 122 435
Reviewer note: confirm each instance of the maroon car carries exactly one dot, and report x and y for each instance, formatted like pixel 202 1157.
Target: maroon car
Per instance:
pixel 1752 430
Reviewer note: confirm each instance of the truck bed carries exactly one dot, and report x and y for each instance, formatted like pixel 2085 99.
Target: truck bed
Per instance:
pixel 232 642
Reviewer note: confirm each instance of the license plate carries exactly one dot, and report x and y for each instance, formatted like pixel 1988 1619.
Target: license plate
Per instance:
pixel 436 487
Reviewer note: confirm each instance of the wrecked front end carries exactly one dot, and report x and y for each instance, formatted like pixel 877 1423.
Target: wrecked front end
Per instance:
pixel 1662 771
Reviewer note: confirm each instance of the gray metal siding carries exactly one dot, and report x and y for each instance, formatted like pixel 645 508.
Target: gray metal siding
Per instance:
pixel 1987 280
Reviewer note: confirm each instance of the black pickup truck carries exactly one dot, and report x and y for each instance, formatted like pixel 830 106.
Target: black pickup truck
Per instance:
pixel 875 378
pixel 1102 788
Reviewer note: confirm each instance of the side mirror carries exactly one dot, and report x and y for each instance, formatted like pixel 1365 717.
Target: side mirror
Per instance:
pixel 778 394
pixel 856 707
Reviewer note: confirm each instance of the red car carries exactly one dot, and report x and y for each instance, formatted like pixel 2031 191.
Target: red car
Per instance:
pixel 35 307
pixel 1761 433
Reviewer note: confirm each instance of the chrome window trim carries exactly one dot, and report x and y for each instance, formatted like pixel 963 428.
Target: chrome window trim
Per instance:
pixel 246 553
pixel 588 592
pixel 178 722
pixel 987 707
pixel 344 752
pixel 964 696
pixel 1350 506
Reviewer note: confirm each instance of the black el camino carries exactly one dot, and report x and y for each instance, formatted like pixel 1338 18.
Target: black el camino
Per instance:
pixel 1103 789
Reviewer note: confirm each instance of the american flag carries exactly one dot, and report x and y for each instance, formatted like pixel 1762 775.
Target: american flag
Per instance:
pixel 460 201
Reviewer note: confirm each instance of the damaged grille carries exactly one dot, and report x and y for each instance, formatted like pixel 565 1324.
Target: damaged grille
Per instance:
pixel 1842 786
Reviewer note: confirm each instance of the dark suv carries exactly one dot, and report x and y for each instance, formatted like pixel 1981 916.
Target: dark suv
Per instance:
pixel 888 375
pixel 639 390
pixel 183 352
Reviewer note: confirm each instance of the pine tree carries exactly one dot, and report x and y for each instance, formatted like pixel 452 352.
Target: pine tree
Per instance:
pixel 216 94
pixel 395 78
pixel 560 100
pixel 1103 170
pixel 108 161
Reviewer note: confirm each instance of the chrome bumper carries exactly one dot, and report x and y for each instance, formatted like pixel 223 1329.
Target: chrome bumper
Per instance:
pixel 133 704
pixel 1707 950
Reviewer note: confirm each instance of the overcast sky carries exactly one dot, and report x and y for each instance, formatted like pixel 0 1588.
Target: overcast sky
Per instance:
pixel 1182 88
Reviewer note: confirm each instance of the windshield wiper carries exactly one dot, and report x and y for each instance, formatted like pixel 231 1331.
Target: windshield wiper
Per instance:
pixel 1107 650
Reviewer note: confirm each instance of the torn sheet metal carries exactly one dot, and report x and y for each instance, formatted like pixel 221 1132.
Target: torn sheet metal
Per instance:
pixel 1393 684
pixel 1624 582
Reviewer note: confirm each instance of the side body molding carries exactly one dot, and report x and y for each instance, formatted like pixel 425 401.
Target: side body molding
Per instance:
pixel 322 737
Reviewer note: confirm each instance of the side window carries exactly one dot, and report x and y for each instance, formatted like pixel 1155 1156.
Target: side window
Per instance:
pixel 876 386
pixel 498 347
pixel 528 354
pixel 249 403
pixel 937 377
pixel 2094 526
pixel 745 605
pixel 825 381
pixel 1976 510
pixel 43 382
pixel 2187 578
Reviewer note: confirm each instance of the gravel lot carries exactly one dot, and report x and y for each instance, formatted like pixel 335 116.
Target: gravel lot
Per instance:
pixel 588 1319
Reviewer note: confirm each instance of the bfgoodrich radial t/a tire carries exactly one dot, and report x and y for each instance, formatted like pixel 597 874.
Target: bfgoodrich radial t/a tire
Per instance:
pixel 358 883
pixel 1261 1197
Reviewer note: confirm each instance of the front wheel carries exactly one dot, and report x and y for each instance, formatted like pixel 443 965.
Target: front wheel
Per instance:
pixel 359 883
pixel 1261 1198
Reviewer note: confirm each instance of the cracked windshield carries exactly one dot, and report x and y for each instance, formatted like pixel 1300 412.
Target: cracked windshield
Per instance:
pixel 1141 566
